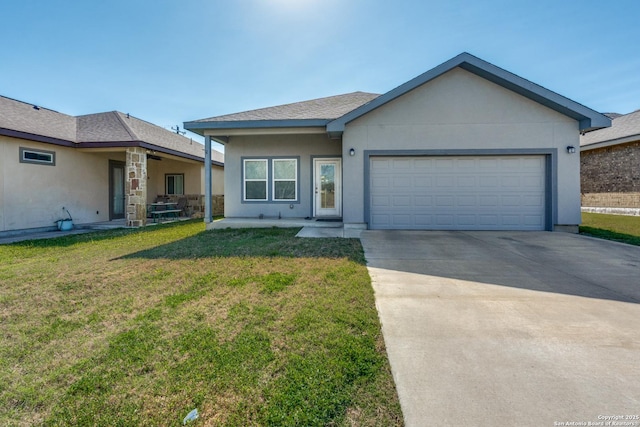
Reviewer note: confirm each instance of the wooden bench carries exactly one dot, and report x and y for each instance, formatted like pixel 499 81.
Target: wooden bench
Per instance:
pixel 159 214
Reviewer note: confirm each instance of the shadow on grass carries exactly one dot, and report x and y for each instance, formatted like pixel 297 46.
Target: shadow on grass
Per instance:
pixel 255 242
pixel 95 236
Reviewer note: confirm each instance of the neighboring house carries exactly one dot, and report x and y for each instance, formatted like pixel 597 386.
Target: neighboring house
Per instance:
pixel 464 146
pixel 99 166
pixel 610 167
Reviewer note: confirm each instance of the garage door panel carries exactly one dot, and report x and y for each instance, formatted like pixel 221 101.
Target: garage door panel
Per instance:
pixel 423 201
pixel 488 220
pixel 381 201
pixel 444 163
pixel 445 201
pixel 400 220
pixel 466 181
pixel 466 192
pixel 401 182
pixel 446 220
pixel 533 220
pixel 422 181
pixel 401 201
pixel 423 220
pixel 466 220
pixel 423 163
pixel 466 201
pixel 488 181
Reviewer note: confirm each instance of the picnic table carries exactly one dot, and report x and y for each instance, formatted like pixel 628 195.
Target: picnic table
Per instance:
pixel 161 210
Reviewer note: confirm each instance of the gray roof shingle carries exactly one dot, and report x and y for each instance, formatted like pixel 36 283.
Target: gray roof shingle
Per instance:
pixel 624 126
pixel 328 108
pixel 109 127
pixel 28 118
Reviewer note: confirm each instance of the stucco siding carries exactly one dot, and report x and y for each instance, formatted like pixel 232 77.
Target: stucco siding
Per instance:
pixel 217 180
pixel 193 177
pixel 461 111
pixel 33 195
pixel 304 147
pixel 158 169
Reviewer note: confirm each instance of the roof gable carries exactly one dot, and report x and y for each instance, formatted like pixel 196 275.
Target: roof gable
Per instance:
pixel 587 118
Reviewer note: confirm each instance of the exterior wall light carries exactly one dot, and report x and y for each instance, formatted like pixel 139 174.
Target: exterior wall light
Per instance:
pixel 571 149
pixel 352 152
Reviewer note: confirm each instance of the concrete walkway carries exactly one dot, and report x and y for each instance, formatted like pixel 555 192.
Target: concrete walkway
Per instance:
pixel 508 328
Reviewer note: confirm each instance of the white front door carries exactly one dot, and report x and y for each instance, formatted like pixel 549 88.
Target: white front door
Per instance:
pixel 327 185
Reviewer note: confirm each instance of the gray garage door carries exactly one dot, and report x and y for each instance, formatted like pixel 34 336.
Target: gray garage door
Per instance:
pixel 457 193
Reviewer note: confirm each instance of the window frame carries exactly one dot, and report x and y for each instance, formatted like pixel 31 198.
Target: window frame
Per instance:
pixel 274 179
pixel 166 183
pixel 24 150
pixel 270 181
pixel 245 179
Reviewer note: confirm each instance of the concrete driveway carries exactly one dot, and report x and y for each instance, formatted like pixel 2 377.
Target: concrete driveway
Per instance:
pixel 509 328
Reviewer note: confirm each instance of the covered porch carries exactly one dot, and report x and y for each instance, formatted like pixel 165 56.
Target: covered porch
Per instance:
pixel 141 181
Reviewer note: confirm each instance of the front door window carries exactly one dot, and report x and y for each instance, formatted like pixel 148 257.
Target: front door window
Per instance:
pixel 328 187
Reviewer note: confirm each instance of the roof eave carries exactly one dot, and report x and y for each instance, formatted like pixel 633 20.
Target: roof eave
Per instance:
pixel 610 142
pixel 587 118
pixel 200 127
pixel 36 138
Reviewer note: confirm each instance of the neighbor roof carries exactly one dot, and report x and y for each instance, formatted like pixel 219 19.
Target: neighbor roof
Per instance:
pixel 34 120
pixel 104 129
pixel 335 112
pixel 112 129
pixel 625 128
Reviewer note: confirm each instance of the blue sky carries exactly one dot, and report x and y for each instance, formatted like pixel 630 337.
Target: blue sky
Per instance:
pixel 170 61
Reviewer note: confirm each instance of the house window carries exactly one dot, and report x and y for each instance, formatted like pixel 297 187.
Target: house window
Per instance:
pixel 285 179
pixel 174 183
pixel 255 179
pixel 39 157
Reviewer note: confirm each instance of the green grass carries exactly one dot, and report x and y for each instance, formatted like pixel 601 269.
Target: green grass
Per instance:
pixel 620 228
pixel 139 327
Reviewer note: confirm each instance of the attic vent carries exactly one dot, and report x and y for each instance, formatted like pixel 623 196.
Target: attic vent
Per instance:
pixel 35 107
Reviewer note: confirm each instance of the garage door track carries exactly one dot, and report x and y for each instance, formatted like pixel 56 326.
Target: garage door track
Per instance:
pixel 509 328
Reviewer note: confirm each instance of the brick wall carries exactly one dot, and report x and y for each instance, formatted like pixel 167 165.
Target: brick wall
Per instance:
pixel 610 176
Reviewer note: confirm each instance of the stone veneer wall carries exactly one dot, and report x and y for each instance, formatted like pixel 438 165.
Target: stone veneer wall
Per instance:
pixel 136 187
pixel 610 176
pixel 611 200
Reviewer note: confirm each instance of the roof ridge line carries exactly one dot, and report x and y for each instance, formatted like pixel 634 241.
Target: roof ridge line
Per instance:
pixel 130 131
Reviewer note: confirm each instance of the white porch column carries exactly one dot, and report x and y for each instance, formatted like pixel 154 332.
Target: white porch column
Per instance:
pixel 208 217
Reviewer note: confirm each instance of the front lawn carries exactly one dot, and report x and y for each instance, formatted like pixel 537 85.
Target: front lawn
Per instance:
pixel 139 327
pixel 621 228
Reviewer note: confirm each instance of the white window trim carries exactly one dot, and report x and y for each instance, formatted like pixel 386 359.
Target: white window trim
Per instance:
pixel 245 180
pixel 23 159
pixel 274 180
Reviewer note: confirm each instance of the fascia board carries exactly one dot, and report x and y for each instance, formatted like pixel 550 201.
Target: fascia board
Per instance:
pixel 253 124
